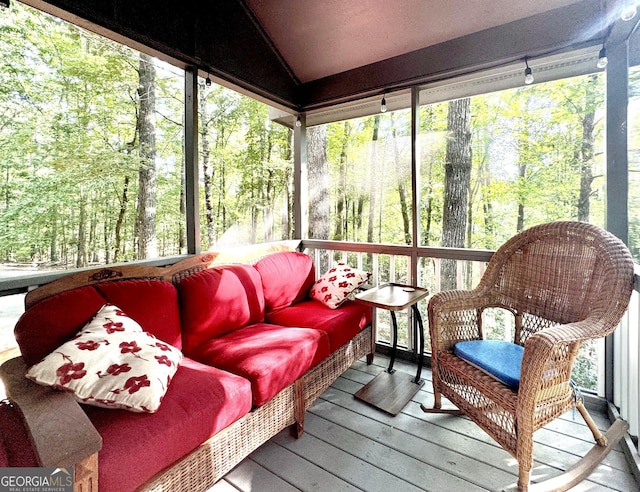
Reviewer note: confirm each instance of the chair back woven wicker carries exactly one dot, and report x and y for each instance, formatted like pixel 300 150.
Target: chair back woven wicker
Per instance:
pixel 565 283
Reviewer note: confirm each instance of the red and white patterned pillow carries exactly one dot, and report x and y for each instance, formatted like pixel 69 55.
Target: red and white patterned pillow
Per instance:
pixel 335 286
pixel 111 363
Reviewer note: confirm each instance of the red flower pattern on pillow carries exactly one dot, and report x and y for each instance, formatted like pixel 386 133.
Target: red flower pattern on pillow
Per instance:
pixel 111 363
pixel 112 326
pixel 88 345
pixel 338 284
pixel 67 372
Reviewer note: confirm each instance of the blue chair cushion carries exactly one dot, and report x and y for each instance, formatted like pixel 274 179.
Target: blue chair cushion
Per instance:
pixel 499 358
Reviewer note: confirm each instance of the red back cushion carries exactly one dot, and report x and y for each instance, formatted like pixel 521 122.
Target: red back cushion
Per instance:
pixel 153 304
pixel 217 301
pixel 54 320
pixel 286 278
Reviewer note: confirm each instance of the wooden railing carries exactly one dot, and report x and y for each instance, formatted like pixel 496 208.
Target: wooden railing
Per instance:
pixel 402 264
pixel 421 266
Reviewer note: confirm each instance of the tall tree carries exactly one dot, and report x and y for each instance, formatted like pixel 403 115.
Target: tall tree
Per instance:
pixel 146 217
pixel 456 184
pixel 318 177
pixel 207 172
pixel 373 178
pixel 587 115
pixel 402 192
pixel 341 188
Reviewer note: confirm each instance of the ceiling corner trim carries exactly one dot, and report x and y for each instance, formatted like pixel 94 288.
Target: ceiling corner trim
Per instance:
pixel 267 39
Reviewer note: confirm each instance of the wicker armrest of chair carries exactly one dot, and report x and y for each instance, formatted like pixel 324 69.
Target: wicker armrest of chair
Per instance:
pixel 61 433
pixel 455 316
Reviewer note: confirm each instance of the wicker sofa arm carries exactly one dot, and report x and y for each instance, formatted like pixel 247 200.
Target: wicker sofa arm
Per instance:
pixel 61 433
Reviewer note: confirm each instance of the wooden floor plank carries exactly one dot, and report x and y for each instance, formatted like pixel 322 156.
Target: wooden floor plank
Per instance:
pixel 222 486
pixel 566 434
pixel 419 461
pixel 348 467
pixel 349 445
pixel 250 476
pixel 297 471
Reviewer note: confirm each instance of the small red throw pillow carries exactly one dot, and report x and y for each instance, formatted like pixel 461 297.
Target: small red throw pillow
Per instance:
pixel 111 363
pixel 335 286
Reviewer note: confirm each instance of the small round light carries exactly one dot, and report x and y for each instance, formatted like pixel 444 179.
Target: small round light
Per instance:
pixel 528 76
pixel 629 11
pixel 602 59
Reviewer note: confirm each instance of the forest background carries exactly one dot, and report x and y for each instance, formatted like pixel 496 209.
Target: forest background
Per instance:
pixel 92 163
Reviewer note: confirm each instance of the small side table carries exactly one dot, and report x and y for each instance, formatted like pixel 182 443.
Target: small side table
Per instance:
pixel 391 391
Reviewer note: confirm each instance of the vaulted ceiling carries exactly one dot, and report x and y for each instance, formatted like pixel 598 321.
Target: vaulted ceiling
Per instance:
pixel 306 54
pixel 326 37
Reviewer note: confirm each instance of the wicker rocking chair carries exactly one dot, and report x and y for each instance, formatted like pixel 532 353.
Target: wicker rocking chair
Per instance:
pixel 565 283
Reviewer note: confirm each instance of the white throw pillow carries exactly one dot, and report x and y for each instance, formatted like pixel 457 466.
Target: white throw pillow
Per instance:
pixel 335 286
pixel 111 363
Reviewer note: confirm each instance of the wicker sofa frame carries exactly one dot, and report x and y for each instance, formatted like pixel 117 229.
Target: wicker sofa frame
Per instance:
pixel 206 464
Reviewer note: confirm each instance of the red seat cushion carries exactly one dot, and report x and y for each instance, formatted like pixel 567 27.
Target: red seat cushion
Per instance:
pixel 217 301
pixel 201 401
pixel 286 278
pixel 271 357
pixel 340 324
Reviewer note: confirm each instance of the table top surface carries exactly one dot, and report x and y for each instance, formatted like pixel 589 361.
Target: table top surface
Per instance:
pixel 392 296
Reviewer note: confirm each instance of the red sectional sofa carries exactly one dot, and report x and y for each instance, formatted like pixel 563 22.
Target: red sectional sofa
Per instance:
pixel 256 352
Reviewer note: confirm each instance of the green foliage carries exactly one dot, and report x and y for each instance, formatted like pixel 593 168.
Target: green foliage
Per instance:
pixel 528 154
pixel 68 136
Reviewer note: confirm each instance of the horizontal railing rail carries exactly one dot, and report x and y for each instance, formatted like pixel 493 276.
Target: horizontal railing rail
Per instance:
pixel 626 339
pixel 404 262
pixel 19 284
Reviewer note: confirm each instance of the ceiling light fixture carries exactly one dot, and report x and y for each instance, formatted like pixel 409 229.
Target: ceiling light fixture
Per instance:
pixel 629 10
pixel 528 73
pixel 207 81
pixel 383 104
pixel 298 121
pixel 602 58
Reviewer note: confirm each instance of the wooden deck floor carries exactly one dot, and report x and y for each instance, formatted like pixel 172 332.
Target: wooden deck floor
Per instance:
pixel 348 445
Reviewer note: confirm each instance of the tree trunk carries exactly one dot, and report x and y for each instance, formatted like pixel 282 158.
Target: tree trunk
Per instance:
pixel 287 220
pixel 123 210
pixel 372 178
pixel 402 193
pixel 182 230
pixel 207 173
pixel 53 248
pixel 456 186
pixel 522 175
pixel 146 217
pixel 586 165
pixel 81 259
pixel 341 198
pixel 318 176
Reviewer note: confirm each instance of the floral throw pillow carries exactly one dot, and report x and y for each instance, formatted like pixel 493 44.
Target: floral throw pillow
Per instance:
pixel 335 286
pixel 111 363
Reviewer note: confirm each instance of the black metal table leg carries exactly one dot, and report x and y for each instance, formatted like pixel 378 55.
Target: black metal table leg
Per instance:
pixel 419 330
pixel 394 323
